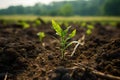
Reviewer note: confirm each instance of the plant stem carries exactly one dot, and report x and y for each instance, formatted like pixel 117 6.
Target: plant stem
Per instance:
pixel 63 43
pixel 62 51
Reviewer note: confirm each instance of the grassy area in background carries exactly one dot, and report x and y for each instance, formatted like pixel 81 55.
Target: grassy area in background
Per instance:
pixel 59 18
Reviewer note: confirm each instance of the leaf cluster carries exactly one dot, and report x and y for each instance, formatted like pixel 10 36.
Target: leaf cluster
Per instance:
pixel 41 35
pixel 64 35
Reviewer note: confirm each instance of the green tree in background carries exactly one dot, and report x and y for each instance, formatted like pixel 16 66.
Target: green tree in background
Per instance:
pixel 112 7
pixel 66 10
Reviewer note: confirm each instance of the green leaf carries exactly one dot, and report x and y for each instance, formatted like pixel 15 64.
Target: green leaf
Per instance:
pixel 66 30
pixel 25 25
pixel 72 34
pixel 41 35
pixel 83 24
pixel 88 32
pixel 57 28
pixel 90 27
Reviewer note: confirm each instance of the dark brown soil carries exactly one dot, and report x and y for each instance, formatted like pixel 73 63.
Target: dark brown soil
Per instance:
pixel 24 57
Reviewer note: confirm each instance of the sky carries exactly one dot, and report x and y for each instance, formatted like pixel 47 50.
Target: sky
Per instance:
pixel 7 3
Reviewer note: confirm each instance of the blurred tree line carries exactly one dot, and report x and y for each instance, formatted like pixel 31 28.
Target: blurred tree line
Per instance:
pixel 69 8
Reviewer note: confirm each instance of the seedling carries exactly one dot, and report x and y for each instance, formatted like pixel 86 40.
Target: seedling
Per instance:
pixel 90 26
pixel 89 29
pixel 83 24
pixel 41 35
pixel 64 36
pixel 24 25
pixel 37 23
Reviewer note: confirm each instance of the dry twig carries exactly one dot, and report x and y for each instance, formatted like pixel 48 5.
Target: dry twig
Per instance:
pixel 81 41
pixel 95 72
pixel 6 75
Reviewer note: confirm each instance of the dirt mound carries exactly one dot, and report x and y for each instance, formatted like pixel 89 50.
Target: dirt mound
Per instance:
pixel 109 59
pixel 24 57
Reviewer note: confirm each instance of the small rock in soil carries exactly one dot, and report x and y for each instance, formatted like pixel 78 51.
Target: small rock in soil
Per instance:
pixel 59 73
pixel 50 57
pixel 66 77
pixel 61 70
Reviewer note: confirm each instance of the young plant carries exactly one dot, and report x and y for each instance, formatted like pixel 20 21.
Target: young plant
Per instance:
pixel 24 24
pixel 36 23
pixel 64 36
pixel 41 35
pixel 89 29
